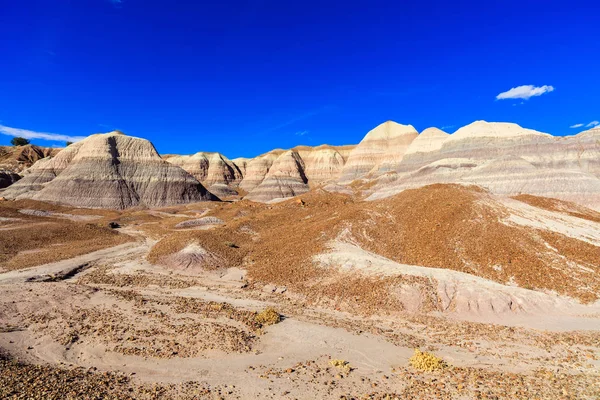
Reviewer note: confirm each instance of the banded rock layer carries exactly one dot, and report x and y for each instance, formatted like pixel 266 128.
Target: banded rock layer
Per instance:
pixel 504 158
pixel 380 151
pixel 215 171
pixel 109 170
pixel 285 178
pixel 280 174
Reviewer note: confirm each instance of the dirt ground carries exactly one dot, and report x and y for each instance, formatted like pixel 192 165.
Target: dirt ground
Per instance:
pixel 153 311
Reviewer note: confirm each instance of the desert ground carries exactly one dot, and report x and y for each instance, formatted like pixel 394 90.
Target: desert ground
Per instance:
pixel 442 292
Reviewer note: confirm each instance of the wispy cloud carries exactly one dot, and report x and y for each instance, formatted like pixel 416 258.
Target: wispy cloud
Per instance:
pixel 300 117
pixel 590 125
pixel 106 126
pixel 525 92
pixel 24 133
pixel 301 133
pixel 116 3
pixel 447 127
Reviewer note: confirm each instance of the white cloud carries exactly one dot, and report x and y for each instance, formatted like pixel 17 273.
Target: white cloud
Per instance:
pixel 24 133
pixel 301 133
pixel 524 92
pixel 592 124
pixel 576 126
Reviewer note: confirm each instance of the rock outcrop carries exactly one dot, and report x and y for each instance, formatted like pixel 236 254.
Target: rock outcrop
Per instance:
pixel 18 158
pixel 7 178
pixel 42 172
pixel 380 151
pixel 504 158
pixel 323 163
pixel 110 170
pixel 241 163
pixel 285 178
pixel 280 174
pixel 423 149
pixel 215 171
pixel 257 169
pixel 116 171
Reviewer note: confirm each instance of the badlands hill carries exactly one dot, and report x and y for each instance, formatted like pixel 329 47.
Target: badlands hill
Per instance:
pixel 14 160
pixel 215 171
pixel 275 175
pixel 501 157
pixel 18 158
pixel 504 158
pixel 109 170
pixel 381 150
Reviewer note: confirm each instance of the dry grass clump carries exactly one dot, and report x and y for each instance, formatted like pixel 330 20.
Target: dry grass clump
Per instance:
pixel 268 317
pixel 342 365
pixel 424 361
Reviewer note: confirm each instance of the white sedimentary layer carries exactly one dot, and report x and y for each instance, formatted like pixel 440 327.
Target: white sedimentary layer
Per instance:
pixel 504 158
pixel 380 151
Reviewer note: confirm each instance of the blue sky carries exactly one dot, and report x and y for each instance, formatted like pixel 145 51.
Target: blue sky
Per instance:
pixel 243 77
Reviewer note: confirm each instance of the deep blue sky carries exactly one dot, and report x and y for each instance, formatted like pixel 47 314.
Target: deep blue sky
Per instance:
pixel 243 77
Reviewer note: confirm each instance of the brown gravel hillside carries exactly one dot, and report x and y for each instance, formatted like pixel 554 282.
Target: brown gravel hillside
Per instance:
pixel 442 226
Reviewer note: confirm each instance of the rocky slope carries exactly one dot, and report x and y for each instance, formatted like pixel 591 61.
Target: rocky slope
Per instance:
pixel 505 158
pixel 14 160
pixel 381 150
pixel 323 163
pixel 109 170
pixel 257 169
pixel 279 174
pixel 215 171
pixel 18 158
pixel 285 178
pixel 7 178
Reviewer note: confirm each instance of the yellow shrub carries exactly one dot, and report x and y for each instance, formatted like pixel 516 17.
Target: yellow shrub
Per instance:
pixel 268 316
pixel 341 364
pixel 424 361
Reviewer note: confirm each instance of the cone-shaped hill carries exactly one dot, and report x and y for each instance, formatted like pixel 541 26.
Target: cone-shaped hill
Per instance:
pixel 110 170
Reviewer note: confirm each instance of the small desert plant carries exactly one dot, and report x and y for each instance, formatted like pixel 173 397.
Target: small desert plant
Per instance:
pixel 68 143
pixel 424 361
pixel 268 317
pixel 231 244
pixel 341 364
pixel 19 141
